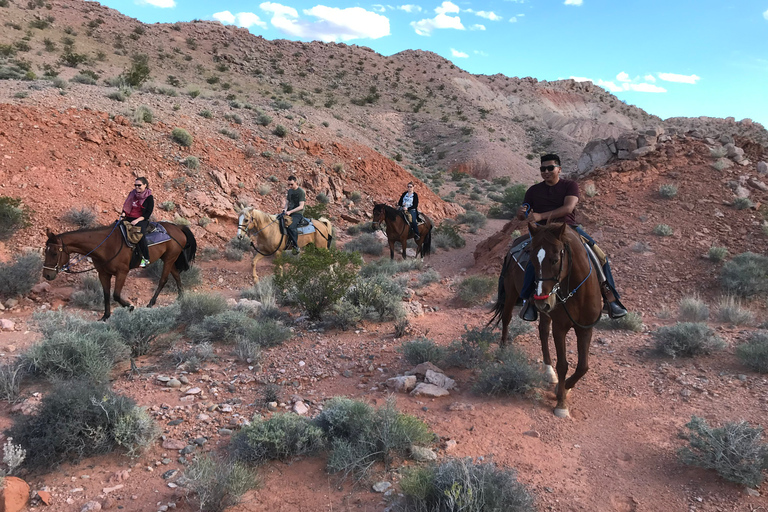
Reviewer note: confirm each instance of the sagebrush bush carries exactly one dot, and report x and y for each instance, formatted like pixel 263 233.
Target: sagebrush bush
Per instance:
pixel 389 267
pixel 471 351
pixel 735 450
pixel 512 374
pixel 280 131
pixel 476 289
pixel 135 431
pixel 746 275
pixel 379 298
pixel 590 190
pixel 474 219
pixel 742 203
pixel 143 114
pixel 693 309
pixel 630 322
pixel 345 315
pixel 283 436
pixel 233 253
pixel 78 420
pixel 460 484
pixel 263 291
pixel 182 137
pixel 668 191
pixel 88 295
pixel 168 206
pixel 226 327
pixel 754 353
pixel 192 360
pixel 687 339
pixel 367 243
pixel 730 311
pixel 194 307
pixel 191 162
pixel 662 230
pixel 18 277
pixel 511 198
pixel 318 279
pixel 427 277
pixel 141 329
pixel 717 253
pixel 11 374
pixel 84 217
pixel 265 189
pixel 422 350
pixel 218 484
pixel 447 236
pixel 363 227
pixel 190 277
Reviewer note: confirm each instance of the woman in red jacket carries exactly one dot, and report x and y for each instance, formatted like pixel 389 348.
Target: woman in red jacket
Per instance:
pixel 137 210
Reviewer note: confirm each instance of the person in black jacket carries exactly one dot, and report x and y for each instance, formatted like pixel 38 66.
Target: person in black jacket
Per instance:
pixel 410 201
pixel 137 210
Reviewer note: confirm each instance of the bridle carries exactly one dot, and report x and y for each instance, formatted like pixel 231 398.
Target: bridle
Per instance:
pixel 62 249
pixel 67 267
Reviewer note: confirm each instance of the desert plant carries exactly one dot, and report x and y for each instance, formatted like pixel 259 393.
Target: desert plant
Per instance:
pixel 717 253
pixel 668 190
pixel 14 215
pixel 754 353
pixel 18 277
pixel 447 236
pixel 84 217
pixel 141 329
pixel 11 374
pixel 182 137
pixel 662 230
pixel 630 322
pixel 265 189
pixel 476 289
pixel 367 243
pixel 168 206
pixel 135 431
pixel 746 275
pixel 229 133
pixel 263 291
pixel 378 297
pixel 471 351
pixel 89 295
pixel 207 114
pixel 345 315
pixel 422 350
pixel 263 119
pixel 218 484
pixel 687 339
pixel 427 277
pixel 227 327
pixel 280 131
pixel 192 360
pixel 590 190
pixel 512 374
pixel 742 203
pixel 143 114
pixel 138 72
pixel 730 310
pixel 460 484
pixel 191 162
pixel 281 437
pixel 474 219
pixel 693 309
pixel 209 253
pixel 735 450
pixel 194 307
pixel 721 164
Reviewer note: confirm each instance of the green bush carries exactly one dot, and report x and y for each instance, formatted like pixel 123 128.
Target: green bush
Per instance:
pixel 735 450
pixel 754 353
pixel 182 137
pixel 447 237
pixel 282 437
pixel 226 327
pixel 746 275
pixel 693 309
pixel 345 315
pixel 471 351
pixel 460 484
pixel 512 374
pixel 76 421
pixel 730 311
pixel 630 322
pixel 18 277
pixel 511 198
pixel 388 267
pixel 280 130
pixel 318 279
pixel 378 297
pixel 263 291
pixel 139 71
pixel 142 328
pixel 427 277
pixel 476 289
pixel 316 211
pixel 11 374
pixel 135 431
pixel 14 215
pixel 366 243
pixel 263 119
pixel 83 218
pixel 89 295
pixel 687 339
pixel 742 203
pixel 218 484
pixel 191 162
pixel 422 350
pixel 194 307
pixel 662 230
pixel 143 114
pixel 668 191
pixel 717 253
pixel 474 219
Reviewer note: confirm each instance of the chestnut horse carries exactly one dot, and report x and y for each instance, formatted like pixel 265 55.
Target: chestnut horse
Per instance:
pixel 398 230
pixel 266 238
pixel 567 295
pixel 111 256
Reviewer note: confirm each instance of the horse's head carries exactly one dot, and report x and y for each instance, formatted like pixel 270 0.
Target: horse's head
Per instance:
pixel 379 213
pixel 549 251
pixel 244 222
pixel 56 256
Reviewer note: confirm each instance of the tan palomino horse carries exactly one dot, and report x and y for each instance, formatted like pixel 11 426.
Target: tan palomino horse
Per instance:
pixel 264 231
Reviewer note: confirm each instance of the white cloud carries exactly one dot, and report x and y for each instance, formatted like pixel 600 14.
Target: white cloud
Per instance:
pixel 409 8
pixel 447 7
pixel 573 2
pixel 379 8
pixel 242 19
pixel 332 23
pixel 489 15
pixel 643 87
pixel 481 53
pixel 513 19
pixel 650 78
pixel 625 85
pixel 765 15
pixel 609 85
pixel 457 53
pixel 163 4
pixel 520 15
pixel 441 21
pixel 623 77
pixel 225 17
pixel 683 79
pixel 477 26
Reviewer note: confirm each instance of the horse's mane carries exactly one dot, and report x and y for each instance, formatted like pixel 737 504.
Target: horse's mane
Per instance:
pixel 261 216
pixel 87 230
pixel 549 232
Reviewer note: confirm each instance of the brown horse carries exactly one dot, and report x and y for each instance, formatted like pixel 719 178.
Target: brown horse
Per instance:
pixel 264 231
pixel 398 230
pixel 567 295
pixel 111 256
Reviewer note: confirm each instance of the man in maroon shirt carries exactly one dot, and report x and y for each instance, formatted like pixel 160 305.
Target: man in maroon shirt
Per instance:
pixel 554 200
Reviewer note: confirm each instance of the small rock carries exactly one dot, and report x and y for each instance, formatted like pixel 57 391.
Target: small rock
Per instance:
pixel 14 495
pixel 450 445
pixel 460 406
pixel 194 391
pixel 200 441
pixel 170 474
pixel 402 384
pixel 272 406
pixel 6 325
pixel 41 288
pixel 225 432
pixel 751 492
pixel 11 303
pixel 300 409
pixel 108 503
pixel 165 462
pixel 173 383
pixel 762 167
pixel 173 423
pixel 108 490
pixel 429 390
pixel 203 417
pixel 347 373
pixel 45 497
pixel 174 444
pixel 187 449
pixel 422 454
pixel 532 433
pixel 163 379
pixel 421 370
pixel 381 486
pixel 439 379
pixel 184 380
pixel 91 506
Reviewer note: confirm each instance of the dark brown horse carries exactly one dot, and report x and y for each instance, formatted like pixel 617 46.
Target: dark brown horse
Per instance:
pixel 567 295
pixel 111 256
pixel 398 230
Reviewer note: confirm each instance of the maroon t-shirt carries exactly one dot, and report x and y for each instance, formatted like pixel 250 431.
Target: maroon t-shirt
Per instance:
pixel 544 198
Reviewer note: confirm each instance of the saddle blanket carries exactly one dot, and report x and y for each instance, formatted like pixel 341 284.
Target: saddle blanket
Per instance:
pixel 408 217
pixel 306 230
pixel 519 251
pixel 156 234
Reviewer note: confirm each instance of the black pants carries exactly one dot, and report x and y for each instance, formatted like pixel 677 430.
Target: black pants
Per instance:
pixel 143 224
pixel 293 229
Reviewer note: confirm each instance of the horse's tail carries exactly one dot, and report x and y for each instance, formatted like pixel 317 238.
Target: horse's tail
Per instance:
pixel 498 307
pixel 187 255
pixel 426 247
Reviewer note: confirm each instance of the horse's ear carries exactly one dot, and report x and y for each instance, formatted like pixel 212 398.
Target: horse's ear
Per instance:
pixel 50 234
pixel 533 228
pixel 561 232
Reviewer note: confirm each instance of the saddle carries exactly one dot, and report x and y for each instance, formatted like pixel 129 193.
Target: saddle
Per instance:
pixel 408 216
pixel 156 234
pixel 521 254
pixel 305 226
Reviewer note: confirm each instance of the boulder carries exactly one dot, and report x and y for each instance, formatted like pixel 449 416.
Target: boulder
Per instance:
pixel 595 154
pixel 627 142
pixel 402 384
pixel 439 379
pixel 429 390
pixel 14 495
pixel 6 325
pixel 421 369
pixel 642 151
pixel 762 167
pixel 422 454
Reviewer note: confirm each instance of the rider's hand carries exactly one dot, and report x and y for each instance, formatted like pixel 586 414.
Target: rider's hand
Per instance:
pixel 521 213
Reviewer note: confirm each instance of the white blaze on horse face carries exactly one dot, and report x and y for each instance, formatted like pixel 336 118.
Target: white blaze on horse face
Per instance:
pixel 540 256
pixel 240 230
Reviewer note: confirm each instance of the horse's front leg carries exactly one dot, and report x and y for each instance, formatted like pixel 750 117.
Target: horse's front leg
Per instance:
pixel 404 244
pixel 391 248
pixel 256 259
pixel 119 283
pixel 106 284
pixel 545 322
pixel 559 333
pixel 510 298
pixel 583 339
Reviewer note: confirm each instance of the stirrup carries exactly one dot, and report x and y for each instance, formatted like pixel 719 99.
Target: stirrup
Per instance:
pixel 528 311
pixel 144 263
pixel 615 310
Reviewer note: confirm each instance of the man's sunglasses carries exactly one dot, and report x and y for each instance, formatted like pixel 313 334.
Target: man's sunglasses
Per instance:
pixel 548 168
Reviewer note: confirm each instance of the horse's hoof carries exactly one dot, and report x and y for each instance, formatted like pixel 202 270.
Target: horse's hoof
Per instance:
pixel 130 307
pixel 549 374
pixel 562 412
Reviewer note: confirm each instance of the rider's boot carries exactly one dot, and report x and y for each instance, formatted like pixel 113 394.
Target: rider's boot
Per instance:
pixel 612 304
pixel 528 311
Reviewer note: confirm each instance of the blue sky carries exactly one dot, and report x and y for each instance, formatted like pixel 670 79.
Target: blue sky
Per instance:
pixel 670 57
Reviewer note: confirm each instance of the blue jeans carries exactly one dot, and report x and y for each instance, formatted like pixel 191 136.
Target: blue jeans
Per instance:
pixel 414 219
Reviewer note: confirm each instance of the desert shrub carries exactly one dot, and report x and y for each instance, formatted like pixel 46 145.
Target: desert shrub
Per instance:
pixel 422 350
pixel 265 189
pixel 89 295
pixel 474 219
pixel 630 322
pixel 363 227
pixel 218 484
pixel 119 95
pixel 742 203
pixel 18 277
pixel 427 277
pixel 721 164
pixel 191 277
pixel 471 351
pixel 83 78
pixel 263 291
pixel 268 332
pixel 208 253
pixel 280 131
pixel 248 351
pixel 241 244
pixel 345 315
pixel 191 162
pixel 668 190
pixel 717 253
pixel 194 307
pixel 143 114
pixel 687 339
pixel 11 374
pixel 730 310
pixel 460 484
pixel 367 243
pixel 735 450
pixel 138 72
pixel 14 215
pixel 192 360
pixel 77 421
pixel 318 279
pixel 263 119
pixel 207 114
pixel 135 431
pixel 84 217
pixel 590 190
pixel 142 328
pixel 229 133
pixel 476 289
pixel 378 297
pixel 746 275
pixel 316 211
pixel 447 236
pixel 662 230
pixel 388 267
pixel 693 309
pixel 282 437
pixel 181 221
pixel 512 374
pixel 182 137
pixel 511 198
pixel 168 206
pixel 233 254
pixel 754 353
pixel 227 327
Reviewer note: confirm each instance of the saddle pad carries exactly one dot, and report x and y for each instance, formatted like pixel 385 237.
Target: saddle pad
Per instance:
pixel 306 230
pixel 520 252
pixel 156 234
pixel 408 217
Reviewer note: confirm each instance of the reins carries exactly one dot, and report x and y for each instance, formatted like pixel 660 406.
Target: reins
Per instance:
pixel 67 268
